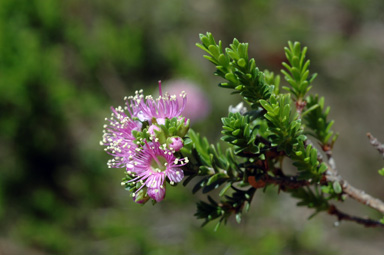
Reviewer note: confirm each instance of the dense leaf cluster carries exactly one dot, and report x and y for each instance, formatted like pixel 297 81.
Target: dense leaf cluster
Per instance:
pixel 239 131
pixel 318 124
pixel 297 74
pixel 234 65
pixel 259 140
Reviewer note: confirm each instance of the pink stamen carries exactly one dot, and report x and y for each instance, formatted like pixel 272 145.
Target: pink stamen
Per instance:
pixel 160 92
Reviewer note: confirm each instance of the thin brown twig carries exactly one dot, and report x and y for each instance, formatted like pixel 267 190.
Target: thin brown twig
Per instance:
pixel 287 182
pixel 290 182
pixel 343 216
pixel 355 193
pixel 375 143
pixel 331 160
pixel 332 175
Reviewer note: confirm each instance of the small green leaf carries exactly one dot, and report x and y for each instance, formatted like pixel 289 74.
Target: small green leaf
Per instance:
pixel 217 226
pixel 205 39
pixel 212 179
pixel 313 107
pixel 223 190
pixel 325 189
pixel 322 168
pixel 223 60
pixel 236 132
pixel 337 187
pixel 314 157
pixel 214 50
pixel 238 217
pixel 230 77
pixel 241 62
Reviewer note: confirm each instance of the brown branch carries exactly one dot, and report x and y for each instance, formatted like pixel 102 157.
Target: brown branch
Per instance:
pixel 332 175
pixel 283 182
pixel 343 216
pixel 375 143
pixel 331 160
pixel 355 193
pixel 290 182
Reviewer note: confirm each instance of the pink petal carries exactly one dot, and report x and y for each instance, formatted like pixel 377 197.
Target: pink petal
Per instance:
pixel 175 174
pixel 157 193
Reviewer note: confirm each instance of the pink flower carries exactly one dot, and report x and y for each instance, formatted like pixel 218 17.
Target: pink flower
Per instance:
pixel 118 138
pixel 165 106
pixel 141 197
pixel 149 164
pixel 175 143
pixel 198 106
pixel 152 165
pixel 151 130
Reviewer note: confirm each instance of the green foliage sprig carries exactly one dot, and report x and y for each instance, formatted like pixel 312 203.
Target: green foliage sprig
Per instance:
pixel 311 199
pixel 317 121
pixel 239 131
pixel 258 140
pixel 297 73
pixel 234 65
pixel 209 161
pixel 235 203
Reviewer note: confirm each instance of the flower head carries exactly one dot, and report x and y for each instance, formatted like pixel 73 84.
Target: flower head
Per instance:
pixel 198 106
pixel 152 165
pixel 175 143
pixel 165 106
pixel 118 138
pixel 137 138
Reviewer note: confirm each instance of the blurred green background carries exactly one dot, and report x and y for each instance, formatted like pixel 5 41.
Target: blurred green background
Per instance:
pixel 64 63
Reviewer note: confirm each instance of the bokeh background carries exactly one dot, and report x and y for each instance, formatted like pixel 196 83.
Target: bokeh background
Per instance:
pixel 64 63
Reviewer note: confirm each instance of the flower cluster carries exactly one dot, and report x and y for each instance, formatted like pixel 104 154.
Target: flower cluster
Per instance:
pixel 144 137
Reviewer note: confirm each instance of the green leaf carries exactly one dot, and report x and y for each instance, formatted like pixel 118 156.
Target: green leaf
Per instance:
pixel 238 217
pixel 326 189
pixel 223 60
pixel 234 65
pixel 241 62
pixel 225 189
pixel 314 157
pixel 337 187
pixel 296 73
pixel 214 51
pixel 322 168
pixel 217 226
pixel 236 132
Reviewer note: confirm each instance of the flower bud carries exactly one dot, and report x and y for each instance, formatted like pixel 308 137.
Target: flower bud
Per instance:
pixel 175 143
pixel 141 197
pixel 151 130
pixel 184 127
pixel 157 193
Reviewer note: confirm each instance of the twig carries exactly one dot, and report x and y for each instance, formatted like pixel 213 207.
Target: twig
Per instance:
pixel 331 160
pixel 300 104
pixel 355 193
pixel 375 143
pixel 328 153
pixel 343 216
pixel 290 182
pixel 332 175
